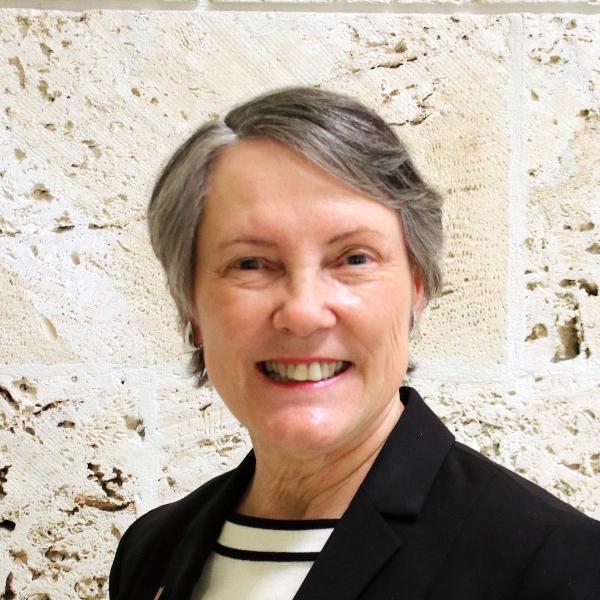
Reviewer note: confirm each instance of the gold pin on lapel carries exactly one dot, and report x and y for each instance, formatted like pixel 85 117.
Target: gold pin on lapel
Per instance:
pixel 159 593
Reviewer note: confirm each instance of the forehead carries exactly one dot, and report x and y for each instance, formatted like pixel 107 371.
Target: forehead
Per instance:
pixel 255 168
pixel 262 183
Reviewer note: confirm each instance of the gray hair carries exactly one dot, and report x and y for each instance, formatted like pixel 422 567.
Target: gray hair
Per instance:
pixel 336 132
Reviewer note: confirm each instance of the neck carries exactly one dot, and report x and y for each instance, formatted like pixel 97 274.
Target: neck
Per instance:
pixel 317 487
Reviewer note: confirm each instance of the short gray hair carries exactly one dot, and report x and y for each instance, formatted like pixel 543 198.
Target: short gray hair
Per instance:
pixel 334 131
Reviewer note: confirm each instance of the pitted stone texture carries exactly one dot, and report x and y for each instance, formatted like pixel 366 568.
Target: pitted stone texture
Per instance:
pixel 71 452
pixel 562 154
pixel 200 438
pixel 85 296
pixel 543 428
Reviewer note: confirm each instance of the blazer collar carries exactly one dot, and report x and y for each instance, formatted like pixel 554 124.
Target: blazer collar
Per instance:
pixel 397 484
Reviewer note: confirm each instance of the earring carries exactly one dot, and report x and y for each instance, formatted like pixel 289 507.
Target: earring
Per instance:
pixel 413 332
pixel 189 338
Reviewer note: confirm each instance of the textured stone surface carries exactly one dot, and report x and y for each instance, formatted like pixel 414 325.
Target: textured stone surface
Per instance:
pixel 200 438
pixel 71 448
pixel 98 421
pixel 562 158
pixel 84 295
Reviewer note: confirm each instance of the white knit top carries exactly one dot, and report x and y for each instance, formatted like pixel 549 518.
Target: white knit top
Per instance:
pixel 259 559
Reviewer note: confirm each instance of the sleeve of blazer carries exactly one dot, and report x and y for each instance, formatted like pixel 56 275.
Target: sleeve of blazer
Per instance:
pixel 566 566
pixel 121 565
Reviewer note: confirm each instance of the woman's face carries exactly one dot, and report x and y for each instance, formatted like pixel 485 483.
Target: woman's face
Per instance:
pixel 295 267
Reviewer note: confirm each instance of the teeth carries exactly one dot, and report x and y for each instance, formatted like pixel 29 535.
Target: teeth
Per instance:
pixel 314 372
pixel 302 372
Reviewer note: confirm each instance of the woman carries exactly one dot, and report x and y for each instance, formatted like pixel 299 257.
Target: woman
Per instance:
pixel 301 246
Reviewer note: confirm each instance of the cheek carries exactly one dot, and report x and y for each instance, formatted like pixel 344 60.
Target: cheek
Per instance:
pixel 231 320
pixel 387 333
pixel 216 308
pixel 397 349
pixel 385 314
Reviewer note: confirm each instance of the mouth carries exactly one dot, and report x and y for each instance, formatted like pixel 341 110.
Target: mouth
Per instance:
pixel 304 372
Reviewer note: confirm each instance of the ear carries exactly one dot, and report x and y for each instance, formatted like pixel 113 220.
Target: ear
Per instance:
pixel 418 300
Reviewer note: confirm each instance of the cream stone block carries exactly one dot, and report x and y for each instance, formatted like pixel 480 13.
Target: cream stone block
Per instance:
pixel 72 451
pixel 81 295
pixel 200 438
pixel 544 428
pixel 562 162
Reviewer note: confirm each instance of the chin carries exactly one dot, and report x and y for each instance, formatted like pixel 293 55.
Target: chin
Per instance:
pixel 303 433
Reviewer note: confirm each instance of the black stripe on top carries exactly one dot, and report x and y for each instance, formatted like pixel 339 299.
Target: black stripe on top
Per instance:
pixel 257 556
pixel 282 524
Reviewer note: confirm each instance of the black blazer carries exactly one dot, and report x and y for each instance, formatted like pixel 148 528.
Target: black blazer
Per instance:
pixel 433 520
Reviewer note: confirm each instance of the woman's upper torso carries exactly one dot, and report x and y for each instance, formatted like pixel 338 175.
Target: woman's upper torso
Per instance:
pixel 432 520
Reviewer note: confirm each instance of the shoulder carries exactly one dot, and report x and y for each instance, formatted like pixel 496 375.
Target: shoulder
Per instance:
pixel 150 539
pixel 559 544
pixel 517 491
pixel 161 522
pixel 503 503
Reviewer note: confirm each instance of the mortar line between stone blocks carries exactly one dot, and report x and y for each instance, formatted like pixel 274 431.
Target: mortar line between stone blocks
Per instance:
pixel 151 460
pixel 517 196
pixel 408 8
pixel 443 370
pixel 344 6
pixel 134 373
pixel 76 6
pixel 460 373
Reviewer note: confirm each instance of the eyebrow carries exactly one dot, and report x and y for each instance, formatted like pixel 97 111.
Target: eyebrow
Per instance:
pixel 257 241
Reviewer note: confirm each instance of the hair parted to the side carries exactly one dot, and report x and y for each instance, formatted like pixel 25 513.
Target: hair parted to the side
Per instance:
pixel 334 131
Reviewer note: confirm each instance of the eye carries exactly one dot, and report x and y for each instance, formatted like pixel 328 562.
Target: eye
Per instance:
pixel 248 264
pixel 358 258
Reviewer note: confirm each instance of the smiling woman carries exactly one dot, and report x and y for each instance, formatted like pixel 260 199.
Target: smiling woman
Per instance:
pixel 301 247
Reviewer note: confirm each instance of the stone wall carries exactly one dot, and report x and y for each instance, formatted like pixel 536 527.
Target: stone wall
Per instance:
pixel 500 105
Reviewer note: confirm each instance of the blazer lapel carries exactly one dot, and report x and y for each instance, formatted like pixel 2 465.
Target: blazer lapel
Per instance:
pixel 359 546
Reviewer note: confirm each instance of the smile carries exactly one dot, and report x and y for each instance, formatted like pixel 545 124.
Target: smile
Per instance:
pixel 312 372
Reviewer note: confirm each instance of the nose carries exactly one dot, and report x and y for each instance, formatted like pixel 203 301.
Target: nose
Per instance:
pixel 306 306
